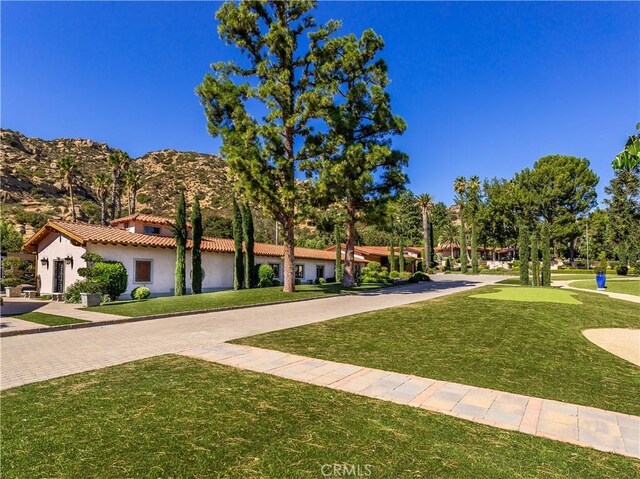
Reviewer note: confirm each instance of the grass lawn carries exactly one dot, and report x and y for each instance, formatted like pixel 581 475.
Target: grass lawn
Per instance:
pixel 630 286
pixel 529 294
pixel 222 299
pixel 535 349
pixel 176 417
pixel 47 319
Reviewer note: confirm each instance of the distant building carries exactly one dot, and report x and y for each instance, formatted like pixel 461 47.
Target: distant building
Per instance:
pixel 364 254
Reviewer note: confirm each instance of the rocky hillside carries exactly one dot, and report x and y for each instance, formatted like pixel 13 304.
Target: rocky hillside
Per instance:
pixel 33 192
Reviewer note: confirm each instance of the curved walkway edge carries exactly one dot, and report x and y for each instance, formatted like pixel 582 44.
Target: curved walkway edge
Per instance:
pixel 580 425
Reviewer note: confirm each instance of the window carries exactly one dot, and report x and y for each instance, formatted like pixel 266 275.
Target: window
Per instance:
pixel 276 269
pixel 142 271
pixel 151 230
pixel 319 271
pixel 300 271
pixel 126 225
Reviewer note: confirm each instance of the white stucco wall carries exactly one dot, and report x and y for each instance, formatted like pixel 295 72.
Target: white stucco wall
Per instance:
pixel 57 246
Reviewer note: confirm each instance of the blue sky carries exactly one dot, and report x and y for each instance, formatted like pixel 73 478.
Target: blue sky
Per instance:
pixel 485 88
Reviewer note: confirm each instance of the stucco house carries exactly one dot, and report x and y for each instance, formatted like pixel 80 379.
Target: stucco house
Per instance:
pixel 145 245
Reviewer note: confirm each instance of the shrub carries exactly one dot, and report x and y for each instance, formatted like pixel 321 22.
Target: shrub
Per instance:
pixel 394 275
pixel 265 276
pixel 622 270
pixel 111 276
pixel 419 276
pixel 18 271
pixel 447 264
pixel 368 279
pixel 321 281
pixel 429 271
pixel 276 282
pixel 72 294
pixel 406 275
pixel 141 292
pixel 298 281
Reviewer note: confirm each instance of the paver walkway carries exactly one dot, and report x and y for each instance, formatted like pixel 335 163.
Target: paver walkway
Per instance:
pixel 37 357
pixel 21 305
pixel 585 426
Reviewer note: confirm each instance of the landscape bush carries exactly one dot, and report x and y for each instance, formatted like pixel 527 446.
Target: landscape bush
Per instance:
pixel 394 275
pixel 72 294
pixel 111 276
pixel 430 271
pixel 419 276
pixel 265 276
pixel 622 270
pixel 447 264
pixel 141 292
pixel 17 271
pixel 405 275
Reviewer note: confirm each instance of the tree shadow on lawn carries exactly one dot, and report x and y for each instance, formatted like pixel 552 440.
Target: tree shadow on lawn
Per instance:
pixel 11 308
pixel 422 287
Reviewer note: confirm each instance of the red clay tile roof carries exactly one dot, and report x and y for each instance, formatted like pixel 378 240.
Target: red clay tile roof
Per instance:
pixel 83 233
pixel 377 250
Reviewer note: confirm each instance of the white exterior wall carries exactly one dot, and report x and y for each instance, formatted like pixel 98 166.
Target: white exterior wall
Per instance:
pixel 57 246
pixel 309 267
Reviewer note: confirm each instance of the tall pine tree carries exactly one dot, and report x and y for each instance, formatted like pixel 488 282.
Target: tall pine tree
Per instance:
pixel 249 241
pixel 280 41
pixel 180 234
pixel 196 252
pixel 357 167
pixel 238 263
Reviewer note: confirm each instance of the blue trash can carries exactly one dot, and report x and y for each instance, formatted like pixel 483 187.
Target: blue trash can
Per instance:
pixel 601 279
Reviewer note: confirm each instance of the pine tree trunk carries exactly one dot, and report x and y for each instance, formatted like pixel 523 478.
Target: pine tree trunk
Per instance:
pixel 289 258
pixel 349 277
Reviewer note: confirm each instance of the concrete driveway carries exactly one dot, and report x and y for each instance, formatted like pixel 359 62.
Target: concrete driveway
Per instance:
pixel 37 357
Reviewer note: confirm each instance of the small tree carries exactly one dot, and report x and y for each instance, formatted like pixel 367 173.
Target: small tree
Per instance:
pixel 545 245
pixel 196 252
pixel 238 264
pixel 10 238
pixel 17 271
pixel 603 261
pixel 401 265
pixel 68 170
pixel 247 231
pixel 265 276
pixel 111 276
pixel 180 233
pixel 523 254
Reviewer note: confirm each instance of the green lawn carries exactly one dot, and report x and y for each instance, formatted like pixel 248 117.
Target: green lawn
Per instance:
pixel 535 349
pixel 528 294
pixel 630 286
pixel 176 417
pixel 222 299
pixel 47 319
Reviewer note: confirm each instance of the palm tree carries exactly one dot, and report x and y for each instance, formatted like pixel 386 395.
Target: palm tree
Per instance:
pixel 133 180
pixel 119 163
pixel 460 187
pixel 101 189
pixel 425 201
pixel 449 236
pixel 68 169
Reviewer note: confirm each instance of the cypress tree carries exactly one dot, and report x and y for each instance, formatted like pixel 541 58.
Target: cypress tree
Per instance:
pixel 523 254
pixel 180 233
pixel 401 255
pixel 463 244
pixel 247 230
pixel 338 238
pixel 196 252
pixel 238 265
pixel 432 256
pixel 392 256
pixel 545 245
pixel 535 263
pixel 474 248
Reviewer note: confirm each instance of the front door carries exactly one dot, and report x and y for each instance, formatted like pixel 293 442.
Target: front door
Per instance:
pixel 58 276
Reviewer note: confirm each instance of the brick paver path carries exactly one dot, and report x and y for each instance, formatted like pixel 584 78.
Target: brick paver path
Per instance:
pixel 585 426
pixel 37 357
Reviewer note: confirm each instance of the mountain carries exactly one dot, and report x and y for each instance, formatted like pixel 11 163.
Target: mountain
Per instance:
pixel 32 190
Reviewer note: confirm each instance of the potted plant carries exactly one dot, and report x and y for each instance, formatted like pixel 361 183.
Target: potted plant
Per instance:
pixel 90 299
